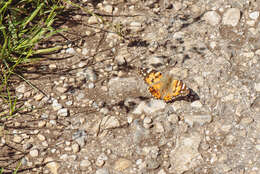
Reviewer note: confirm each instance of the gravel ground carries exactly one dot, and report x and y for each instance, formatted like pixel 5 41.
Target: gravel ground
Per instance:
pixel 98 116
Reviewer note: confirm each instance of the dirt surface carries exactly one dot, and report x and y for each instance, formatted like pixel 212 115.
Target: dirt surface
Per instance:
pixel 98 116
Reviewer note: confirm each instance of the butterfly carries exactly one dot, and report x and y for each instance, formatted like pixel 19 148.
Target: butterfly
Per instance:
pixel 164 86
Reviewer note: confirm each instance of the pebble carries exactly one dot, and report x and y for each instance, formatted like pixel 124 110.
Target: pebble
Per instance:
pixel 120 59
pixel 56 106
pixel 162 171
pixel 70 51
pixel 41 137
pixel 199 118
pixel 150 107
pixel 108 9
pixel 17 139
pixel 196 104
pixel 91 85
pixel 136 26
pixel 75 148
pixel 212 17
pixel 158 127
pixel 84 164
pixel 52 66
pixel 27 146
pixel 38 97
pixel 61 89
pixel 102 171
pixel 231 17
pixel 79 137
pixel 63 112
pixel 254 15
pixel 94 20
pixel 52 165
pixel 186 155
pixel 257 147
pixel 34 152
pixel 109 122
pixel 20 89
pixel 257 87
pixel 147 120
pixel 122 164
pixel 156 61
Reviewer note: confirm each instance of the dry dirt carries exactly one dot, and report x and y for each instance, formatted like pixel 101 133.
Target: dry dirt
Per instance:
pixel 93 114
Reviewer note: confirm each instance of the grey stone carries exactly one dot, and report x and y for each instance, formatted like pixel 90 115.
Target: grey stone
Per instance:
pixel 109 122
pixel 21 89
pixel 52 165
pixel 254 15
pixel 199 118
pixel 102 171
pixel 34 152
pixel 150 107
pixel 84 164
pixel 63 112
pixel 186 156
pixel 212 17
pixel 231 17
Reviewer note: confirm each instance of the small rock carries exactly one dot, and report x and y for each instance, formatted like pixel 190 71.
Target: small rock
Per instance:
pixel 102 171
pixel 27 146
pixel 257 87
pixel 52 165
pixel 109 122
pixel 152 164
pixel 17 139
pixel 61 89
pixel 101 159
pixel 56 106
pixel 156 61
pixel 159 127
pixel 136 26
pixel 246 121
pixel 212 17
pixel 197 118
pixel 24 161
pixel 150 107
pixel 122 164
pixel 90 75
pixel 79 137
pixel 91 85
pixel 254 15
pixel 41 137
pixel 75 148
pixel 231 17
pixel 196 104
pixel 34 152
pixel 38 97
pixel 84 164
pixel 21 89
pixel 70 51
pixel 162 171
pixel 186 155
pixel 173 118
pixel 120 59
pixel 85 51
pixel 94 20
pixel 108 9
pixel 41 123
pixel 63 112
pixel 256 105
pixel 257 147
pixel 52 66
pixel 82 64
pixel 147 120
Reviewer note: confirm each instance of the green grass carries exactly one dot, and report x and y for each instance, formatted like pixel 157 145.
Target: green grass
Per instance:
pixel 23 24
